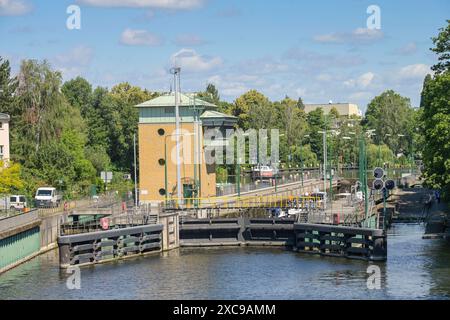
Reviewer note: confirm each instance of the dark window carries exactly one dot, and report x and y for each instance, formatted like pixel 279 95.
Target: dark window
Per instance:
pixel 162 192
pixel 161 162
pixel 161 132
pixel 169 109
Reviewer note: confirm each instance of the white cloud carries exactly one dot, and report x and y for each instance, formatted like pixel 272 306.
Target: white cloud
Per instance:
pixel 80 55
pixel 133 37
pixel 366 79
pixel 190 61
pixel 357 36
pixel 74 62
pixel 315 60
pixel 14 7
pixel 408 49
pixel 160 4
pixel 362 82
pixel 360 95
pixel 189 40
pixel 413 72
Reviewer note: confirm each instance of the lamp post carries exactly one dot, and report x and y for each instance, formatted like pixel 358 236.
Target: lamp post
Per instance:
pixel 301 156
pixel 176 78
pixel 238 166
pixel 324 140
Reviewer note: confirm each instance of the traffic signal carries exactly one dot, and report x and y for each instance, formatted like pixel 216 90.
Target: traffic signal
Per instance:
pixel 378 184
pixel 378 173
pixel 390 184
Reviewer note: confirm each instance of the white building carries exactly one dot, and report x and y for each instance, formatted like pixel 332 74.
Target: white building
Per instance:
pixel 4 136
pixel 344 109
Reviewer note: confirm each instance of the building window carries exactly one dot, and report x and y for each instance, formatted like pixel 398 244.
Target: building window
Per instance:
pixel 161 132
pixel 162 191
pixel 161 162
pixel 1 152
pixel 169 110
pixel 1 125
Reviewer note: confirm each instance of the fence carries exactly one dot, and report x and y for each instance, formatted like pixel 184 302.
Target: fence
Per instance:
pixel 245 202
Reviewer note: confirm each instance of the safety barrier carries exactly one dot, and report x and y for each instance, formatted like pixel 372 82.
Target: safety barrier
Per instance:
pixel 245 202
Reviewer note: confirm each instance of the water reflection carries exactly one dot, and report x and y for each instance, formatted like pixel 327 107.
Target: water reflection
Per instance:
pixel 415 268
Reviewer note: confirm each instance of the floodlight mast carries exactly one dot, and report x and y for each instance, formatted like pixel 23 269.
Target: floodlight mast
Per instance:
pixel 176 78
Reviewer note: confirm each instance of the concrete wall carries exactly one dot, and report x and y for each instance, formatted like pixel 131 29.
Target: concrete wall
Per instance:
pixel 19 239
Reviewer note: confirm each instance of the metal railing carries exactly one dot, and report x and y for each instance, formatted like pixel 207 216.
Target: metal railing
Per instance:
pixel 107 223
pixel 245 202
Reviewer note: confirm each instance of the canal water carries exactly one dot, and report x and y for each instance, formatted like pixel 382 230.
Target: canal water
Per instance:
pixel 415 269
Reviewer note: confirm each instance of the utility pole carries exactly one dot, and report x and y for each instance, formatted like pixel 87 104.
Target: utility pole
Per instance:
pixel 135 174
pixel 176 77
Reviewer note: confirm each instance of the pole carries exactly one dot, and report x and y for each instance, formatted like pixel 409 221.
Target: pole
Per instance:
pixel 165 167
pixel 238 178
pixel 331 176
pixel 135 173
pixel 301 160
pixel 384 209
pixel 324 161
pixel 177 129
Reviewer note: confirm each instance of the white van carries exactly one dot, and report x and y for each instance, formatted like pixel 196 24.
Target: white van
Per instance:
pixel 14 202
pixel 47 197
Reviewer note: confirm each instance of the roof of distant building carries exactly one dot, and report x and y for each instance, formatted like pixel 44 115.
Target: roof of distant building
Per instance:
pixel 4 116
pixel 168 100
pixel 344 109
pixel 214 118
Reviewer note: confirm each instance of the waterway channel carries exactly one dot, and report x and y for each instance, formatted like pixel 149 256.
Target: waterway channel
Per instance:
pixel 415 269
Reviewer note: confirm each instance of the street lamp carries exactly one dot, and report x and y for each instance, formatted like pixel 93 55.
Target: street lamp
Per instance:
pixel 324 133
pixel 301 155
pixel 176 78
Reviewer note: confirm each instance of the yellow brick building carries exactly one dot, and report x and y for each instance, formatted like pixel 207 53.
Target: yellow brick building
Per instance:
pixel 157 145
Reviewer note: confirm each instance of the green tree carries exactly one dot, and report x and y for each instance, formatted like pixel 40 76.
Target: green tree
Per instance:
pixel 211 94
pixel 435 117
pixel 291 121
pixel 10 179
pixel 300 104
pixel 316 122
pixel 427 79
pixel 391 115
pixel 78 93
pixel 253 110
pixel 8 86
pixel 442 49
pixel 131 95
pixel 379 155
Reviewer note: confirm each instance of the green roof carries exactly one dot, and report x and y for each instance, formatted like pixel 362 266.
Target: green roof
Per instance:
pixel 168 100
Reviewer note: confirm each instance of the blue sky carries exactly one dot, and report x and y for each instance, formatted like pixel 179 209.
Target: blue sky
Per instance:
pixel 319 50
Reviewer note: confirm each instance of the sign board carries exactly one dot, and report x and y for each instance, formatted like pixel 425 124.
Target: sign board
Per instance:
pixel 106 176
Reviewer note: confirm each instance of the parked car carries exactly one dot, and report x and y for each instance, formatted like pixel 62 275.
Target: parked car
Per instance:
pixel 13 202
pixel 47 197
